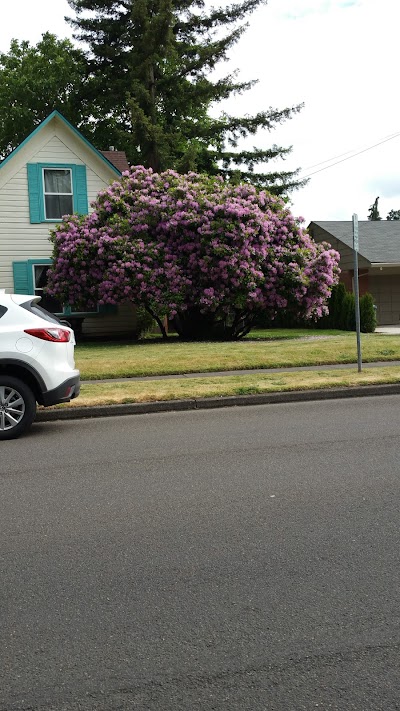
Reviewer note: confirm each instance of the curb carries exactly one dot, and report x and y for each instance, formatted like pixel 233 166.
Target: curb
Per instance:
pixel 142 408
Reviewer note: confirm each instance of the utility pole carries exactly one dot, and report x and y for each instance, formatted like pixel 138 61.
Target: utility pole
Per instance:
pixel 356 290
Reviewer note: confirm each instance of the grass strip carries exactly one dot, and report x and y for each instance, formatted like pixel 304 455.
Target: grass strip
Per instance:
pixel 100 361
pixel 189 388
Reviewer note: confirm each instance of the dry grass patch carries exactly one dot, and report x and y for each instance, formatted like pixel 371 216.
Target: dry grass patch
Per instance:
pixel 189 388
pixel 120 360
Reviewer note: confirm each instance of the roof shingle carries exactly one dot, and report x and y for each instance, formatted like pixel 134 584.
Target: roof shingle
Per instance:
pixel 379 241
pixel 117 158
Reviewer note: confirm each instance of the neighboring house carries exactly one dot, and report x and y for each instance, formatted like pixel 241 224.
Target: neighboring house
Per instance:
pixel 54 172
pixel 378 260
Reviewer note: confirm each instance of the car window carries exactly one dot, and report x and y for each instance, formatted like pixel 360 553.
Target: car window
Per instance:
pixel 3 310
pixel 34 308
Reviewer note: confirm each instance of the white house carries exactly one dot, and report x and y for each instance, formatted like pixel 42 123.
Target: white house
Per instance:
pixel 55 171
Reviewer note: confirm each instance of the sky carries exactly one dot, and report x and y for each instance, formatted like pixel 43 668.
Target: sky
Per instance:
pixel 338 57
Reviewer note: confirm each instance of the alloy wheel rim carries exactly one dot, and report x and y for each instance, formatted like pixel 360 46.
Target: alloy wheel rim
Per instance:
pixel 12 408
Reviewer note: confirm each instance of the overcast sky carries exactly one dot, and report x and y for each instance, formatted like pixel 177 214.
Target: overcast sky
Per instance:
pixel 339 57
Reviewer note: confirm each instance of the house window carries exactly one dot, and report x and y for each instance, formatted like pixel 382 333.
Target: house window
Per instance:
pixel 56 190
pixel 31 276
pixel 50 303
pixel 57 193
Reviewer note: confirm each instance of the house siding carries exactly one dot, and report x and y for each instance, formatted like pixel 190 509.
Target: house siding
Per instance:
pixel 21 240
pixel 121 324
pixel 55 151
pixel 346 277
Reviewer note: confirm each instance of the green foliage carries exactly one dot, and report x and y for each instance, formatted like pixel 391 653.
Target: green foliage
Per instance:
pixel 341 307
pixel 334 318
pixel 367 314
pixel 337 304
pixel 348 312
pixel 33 82
pixel 393 215
pixel 144 86
pixel 373 213
pixel 337 318
pixel 144 322
pixel 341 315
pixel 149 87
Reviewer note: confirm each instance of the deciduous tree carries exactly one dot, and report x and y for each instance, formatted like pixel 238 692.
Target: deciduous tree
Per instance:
pixel 35 80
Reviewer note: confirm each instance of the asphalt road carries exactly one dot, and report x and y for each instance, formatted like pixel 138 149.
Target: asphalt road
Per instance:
pixel 243 559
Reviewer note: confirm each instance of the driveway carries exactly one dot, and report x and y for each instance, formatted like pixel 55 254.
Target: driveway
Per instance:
pixel 389 330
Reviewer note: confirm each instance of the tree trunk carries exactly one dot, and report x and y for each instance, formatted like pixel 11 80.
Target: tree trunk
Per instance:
pixel 159 322
pixel 193 325
pixel 153 157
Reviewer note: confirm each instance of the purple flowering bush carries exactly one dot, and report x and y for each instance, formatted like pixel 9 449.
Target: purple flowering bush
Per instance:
pixel 208 255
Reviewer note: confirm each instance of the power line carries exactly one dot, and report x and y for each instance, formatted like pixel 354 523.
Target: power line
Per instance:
pixel 353 150
pixel 385 140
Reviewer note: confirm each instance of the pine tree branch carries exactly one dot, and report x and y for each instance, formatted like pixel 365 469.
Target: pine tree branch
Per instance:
pixel 198 57
pixel 252 158
pixel 242 126
pixel 279 183
pixel 201 23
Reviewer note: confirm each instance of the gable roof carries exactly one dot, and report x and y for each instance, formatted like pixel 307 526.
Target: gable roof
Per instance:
pixel 60 117
pixel 117 158
pixel 379 241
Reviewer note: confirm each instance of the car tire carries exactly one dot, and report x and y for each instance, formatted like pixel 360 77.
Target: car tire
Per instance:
pixel 17 407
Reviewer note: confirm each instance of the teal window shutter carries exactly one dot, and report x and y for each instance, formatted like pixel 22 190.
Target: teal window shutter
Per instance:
pixel 36 195
pixel 35 190
pixel 80 190
pixel 23 280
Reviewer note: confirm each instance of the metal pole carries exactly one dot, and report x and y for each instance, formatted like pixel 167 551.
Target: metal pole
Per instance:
pixel 356 291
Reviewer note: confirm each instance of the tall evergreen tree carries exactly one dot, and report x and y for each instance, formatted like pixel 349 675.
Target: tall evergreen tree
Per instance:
pixel 149 66
pixel 373 213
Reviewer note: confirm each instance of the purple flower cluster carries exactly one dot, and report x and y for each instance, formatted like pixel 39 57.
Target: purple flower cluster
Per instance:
pixel 175 242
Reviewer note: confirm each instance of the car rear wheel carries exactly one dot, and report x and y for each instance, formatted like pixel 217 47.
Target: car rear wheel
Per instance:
pixel 17 407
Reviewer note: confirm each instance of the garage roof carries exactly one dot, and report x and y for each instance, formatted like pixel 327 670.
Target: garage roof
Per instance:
pixel 379 241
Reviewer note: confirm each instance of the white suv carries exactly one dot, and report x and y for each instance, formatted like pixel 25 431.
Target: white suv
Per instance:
pixel 36 362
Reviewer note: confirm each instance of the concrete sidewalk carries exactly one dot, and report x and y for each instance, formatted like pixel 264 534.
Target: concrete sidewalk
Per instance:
pixel 265 371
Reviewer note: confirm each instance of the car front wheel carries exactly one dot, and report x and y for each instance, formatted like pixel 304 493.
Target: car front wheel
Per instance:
pixel 17 407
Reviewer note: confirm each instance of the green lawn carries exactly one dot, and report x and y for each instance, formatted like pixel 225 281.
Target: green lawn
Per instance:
pixel 276 334
pixel 97 361
pixel 116 393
